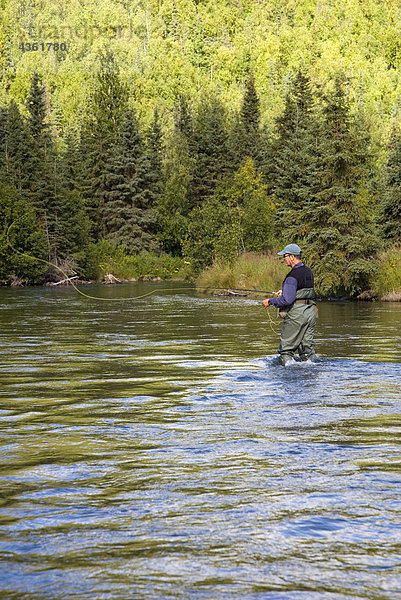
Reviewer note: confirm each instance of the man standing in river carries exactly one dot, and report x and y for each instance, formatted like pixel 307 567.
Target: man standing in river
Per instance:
pixel 296 305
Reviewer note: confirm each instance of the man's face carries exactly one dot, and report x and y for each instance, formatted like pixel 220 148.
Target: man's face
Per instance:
pixel 287 259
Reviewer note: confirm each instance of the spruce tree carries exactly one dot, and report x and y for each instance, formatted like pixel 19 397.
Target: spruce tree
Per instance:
pixel 183 122
pixel 43 186
pixel 74 225
pixel 174 203
pixel 17 147
pixel 106 107
pixel 211 149
pixel 61 212
pixel 339 235
pixel 245 137
pixel 390 214
pixel 155 153
pixel 71 161
pixel 128 212
pixel 293 159
pixel 3 136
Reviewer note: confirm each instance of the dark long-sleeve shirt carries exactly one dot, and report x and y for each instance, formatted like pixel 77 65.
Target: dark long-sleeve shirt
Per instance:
pixel 289 291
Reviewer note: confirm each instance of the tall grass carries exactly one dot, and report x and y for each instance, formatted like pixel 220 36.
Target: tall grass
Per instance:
pixel 250 271
pixel 386 282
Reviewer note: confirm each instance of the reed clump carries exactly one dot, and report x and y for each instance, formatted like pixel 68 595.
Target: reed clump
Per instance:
pixel 249 270
pixel 386 282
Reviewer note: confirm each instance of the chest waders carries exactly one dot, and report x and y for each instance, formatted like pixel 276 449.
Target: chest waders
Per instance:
pixel 298 328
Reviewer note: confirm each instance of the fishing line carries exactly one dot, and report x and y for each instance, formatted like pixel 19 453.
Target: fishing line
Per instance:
pixel 47 262
pixel 271 322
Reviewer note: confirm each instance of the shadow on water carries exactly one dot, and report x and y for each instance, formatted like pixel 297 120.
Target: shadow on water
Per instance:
pixel 156 449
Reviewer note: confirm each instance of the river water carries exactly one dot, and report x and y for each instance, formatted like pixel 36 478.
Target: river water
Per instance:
pixel 155 449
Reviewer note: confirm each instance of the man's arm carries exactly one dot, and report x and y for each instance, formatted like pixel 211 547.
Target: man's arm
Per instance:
pixel 288 296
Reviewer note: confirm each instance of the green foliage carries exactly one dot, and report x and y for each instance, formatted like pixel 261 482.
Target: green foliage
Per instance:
pixel 339 234
pixel 256 206
pixel 387 274
pixel 239 217
pixel 107 257
pixel 168 48
pixel 229 73
pixel 390 217
pixel 155 155
pixel 148 265
pixel 245 138
pixel 97 255
pixel 210 148
pixel 173 207
pixel 213 226
pixel 16 150
pixel 20 232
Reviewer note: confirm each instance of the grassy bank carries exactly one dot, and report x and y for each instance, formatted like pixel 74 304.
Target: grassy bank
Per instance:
pixel 266 272
pixel 249 271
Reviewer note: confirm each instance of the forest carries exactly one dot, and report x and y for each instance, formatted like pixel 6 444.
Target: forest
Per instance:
pixel 182 138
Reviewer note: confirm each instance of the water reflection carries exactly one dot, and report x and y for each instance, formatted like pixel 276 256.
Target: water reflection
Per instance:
pixel 155 450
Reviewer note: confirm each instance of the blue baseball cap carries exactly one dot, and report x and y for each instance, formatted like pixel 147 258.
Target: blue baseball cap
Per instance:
pixel 291 249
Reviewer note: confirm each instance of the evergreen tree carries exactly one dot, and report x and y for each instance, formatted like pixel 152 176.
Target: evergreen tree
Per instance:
pixel 71 161
pixel 183 122
pixel 61 212
pixel 38 126
pixel 245 136
pixel 390 215
pixel 293 158
pixel 129 214
pixel 211 149
pixel 17 147
pixel 174 205
pixel 106 107
pixel 74 226
pixel 43 184
pixel 155 153
pixel 339 234
pixel 3 136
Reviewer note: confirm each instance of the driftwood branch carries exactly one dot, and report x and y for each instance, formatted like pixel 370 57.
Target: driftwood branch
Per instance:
pixel 64 280
pixel 110 278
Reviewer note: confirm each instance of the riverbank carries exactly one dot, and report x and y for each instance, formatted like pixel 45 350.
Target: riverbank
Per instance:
pixel 106 263
pixel 266 272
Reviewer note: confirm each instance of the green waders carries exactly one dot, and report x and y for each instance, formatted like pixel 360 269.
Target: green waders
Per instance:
pixel 298 329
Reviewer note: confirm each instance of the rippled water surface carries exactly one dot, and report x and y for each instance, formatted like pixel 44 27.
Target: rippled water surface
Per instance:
pixel 155 449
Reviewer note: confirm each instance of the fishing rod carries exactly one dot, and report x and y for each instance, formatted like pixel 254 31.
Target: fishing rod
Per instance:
pixel 231 289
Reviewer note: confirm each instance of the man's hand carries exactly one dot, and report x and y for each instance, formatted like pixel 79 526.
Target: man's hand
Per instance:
pixel 279 293
pixel 265 302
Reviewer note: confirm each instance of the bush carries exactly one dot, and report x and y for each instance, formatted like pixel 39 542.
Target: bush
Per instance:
pixel 23 248
pixel 105 257
pixel 387 278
